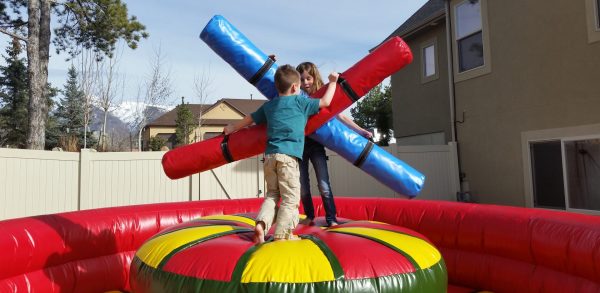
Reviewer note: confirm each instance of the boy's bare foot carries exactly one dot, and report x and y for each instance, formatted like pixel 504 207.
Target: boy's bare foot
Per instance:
pixel 259 233
pixel 332 224
pixel 292 237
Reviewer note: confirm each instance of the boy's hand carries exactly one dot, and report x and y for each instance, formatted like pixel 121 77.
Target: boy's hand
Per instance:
pixel 333 77
pixel 228 129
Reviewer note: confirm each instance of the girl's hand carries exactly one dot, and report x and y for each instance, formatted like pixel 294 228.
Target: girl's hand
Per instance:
pixel 333 77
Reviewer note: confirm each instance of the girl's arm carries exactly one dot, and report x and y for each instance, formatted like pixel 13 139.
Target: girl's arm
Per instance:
pixel 350 123
pixel 328 96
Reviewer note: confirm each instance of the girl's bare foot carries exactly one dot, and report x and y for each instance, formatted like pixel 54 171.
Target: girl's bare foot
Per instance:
pixel 259 233
pixel 307 222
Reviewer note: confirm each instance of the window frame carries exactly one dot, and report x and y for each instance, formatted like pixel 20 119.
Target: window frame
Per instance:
pixel 436 75
pixel 597 14
pixel 487 64
pixel 592 11
pixel 567 134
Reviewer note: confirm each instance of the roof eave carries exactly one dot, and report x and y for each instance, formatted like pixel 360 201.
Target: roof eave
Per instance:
pixel 416 28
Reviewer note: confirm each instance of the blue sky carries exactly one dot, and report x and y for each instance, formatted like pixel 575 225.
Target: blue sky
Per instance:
pixel 332 34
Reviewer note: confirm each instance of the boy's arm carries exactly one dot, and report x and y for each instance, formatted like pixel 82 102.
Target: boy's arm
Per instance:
pixel 346 120
pixel 230 128
pixel 326 99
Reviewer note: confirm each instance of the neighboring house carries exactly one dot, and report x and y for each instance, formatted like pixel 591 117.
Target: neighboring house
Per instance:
pixel 517 85
pixel 212 119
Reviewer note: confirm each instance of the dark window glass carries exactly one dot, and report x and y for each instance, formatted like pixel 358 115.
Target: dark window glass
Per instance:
pixel 208 135
pixel 582 159
pixel 468 18
pixel 598 13
pixel 547 175
pixel 470 52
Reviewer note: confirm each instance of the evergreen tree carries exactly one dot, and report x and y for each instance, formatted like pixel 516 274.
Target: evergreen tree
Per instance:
pixel 375 111
pixel 89 24
pixel 69 114
pixel 53 133
pixel 185 124
pixel 13 98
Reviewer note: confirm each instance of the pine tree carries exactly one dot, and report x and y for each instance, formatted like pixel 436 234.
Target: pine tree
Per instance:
pixel 185 124
pixel 69 115
pixel 375 111
pixel 53 133
pixel 14 98
pixel 91 24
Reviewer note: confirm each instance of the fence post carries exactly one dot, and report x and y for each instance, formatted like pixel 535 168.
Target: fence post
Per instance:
pixel 195 187
pixel 84 176
pixel 454 171
pixel 260 180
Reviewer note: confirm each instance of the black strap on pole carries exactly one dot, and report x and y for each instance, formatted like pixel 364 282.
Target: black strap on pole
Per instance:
pixel 261 72
pixel 225 149
pixel 364 154
pixel 350 93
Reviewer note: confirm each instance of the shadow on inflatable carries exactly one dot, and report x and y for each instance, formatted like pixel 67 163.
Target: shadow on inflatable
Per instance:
pixel 484 247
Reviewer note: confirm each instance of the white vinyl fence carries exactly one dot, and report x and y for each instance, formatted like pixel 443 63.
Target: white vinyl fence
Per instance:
pixel 42 182
pixel 438 163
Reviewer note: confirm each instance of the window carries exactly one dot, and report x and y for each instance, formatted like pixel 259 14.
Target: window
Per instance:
pixel 429 62
pixel 598 14
pixel 592 8
pixel 565 174
pixel 582 159
pixel 471 50
pixel 208 135
pixel 547 175
pixel 469 35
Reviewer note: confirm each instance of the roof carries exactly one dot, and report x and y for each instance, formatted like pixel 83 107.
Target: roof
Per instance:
pixel 168 119
pixel 431 10
pixel 244 106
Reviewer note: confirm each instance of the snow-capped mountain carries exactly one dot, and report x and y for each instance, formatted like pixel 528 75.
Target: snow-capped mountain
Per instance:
pixel 128 111
pixel 123 118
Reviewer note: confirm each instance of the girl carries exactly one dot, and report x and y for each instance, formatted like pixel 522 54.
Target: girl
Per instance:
pixel 310 82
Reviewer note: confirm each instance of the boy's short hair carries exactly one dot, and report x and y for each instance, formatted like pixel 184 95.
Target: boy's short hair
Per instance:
pixel 285 76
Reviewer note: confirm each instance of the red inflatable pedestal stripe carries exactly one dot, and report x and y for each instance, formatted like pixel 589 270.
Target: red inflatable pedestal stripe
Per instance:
pixel 388 58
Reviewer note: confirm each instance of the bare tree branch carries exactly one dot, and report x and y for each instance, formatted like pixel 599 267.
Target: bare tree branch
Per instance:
pixel 24 39
pixel 157 89
pixel 109 85
pixel 89 72
pixel 202 88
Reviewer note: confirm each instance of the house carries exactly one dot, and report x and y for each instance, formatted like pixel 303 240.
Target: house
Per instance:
pixel 212 120
pixel 516 85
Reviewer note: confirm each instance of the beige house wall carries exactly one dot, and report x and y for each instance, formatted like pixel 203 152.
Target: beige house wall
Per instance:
pixel 222 111
pixel 154 130
pixel 545 76
pixel 200 132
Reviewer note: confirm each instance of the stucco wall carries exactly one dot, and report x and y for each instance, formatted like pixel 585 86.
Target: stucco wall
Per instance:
pixel 544 76
pixel 422 108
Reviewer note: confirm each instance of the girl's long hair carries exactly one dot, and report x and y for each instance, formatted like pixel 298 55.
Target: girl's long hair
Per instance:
pixel 311 68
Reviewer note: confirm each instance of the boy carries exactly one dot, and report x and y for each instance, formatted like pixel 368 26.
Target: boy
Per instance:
pixel 286 117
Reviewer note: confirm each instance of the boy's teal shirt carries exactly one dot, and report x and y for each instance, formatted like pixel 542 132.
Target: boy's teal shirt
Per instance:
pixel 286 118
